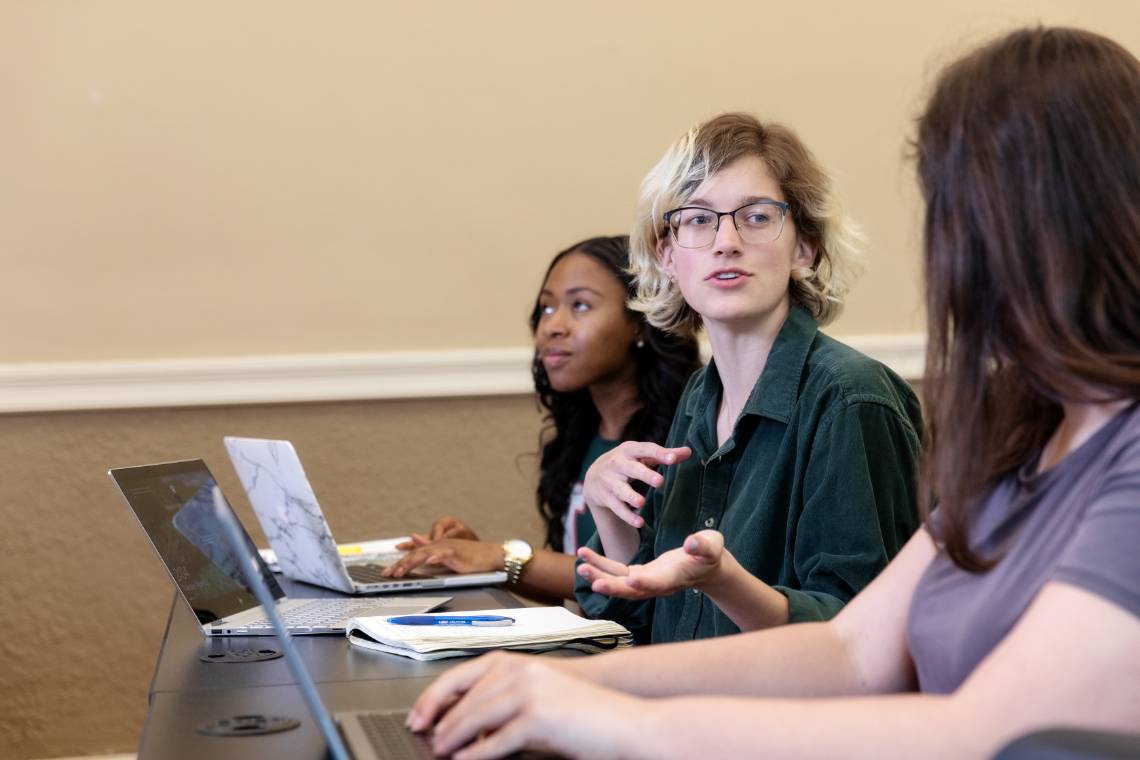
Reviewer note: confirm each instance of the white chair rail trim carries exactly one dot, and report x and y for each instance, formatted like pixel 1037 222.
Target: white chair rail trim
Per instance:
pixel 66 386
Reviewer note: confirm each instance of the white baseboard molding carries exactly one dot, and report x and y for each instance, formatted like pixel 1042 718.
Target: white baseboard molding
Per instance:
pixel 68 386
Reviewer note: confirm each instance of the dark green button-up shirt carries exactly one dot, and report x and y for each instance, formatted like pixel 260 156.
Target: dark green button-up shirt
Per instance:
pixel 814 492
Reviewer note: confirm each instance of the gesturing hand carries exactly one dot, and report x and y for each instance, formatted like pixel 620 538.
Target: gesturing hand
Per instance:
pixel 695 563
pixel 607 483
pixel 445 527
pixel 456 554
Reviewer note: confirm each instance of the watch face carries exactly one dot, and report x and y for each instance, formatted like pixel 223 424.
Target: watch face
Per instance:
pixel 518 548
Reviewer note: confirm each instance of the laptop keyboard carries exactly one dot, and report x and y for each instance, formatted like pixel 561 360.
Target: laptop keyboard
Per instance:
pixel 366 573
pixel 323 613
pixel 369 573
pixel 391 739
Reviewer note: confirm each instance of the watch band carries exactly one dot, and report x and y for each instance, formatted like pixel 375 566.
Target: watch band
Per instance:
pixel 514 569
pixel 516 553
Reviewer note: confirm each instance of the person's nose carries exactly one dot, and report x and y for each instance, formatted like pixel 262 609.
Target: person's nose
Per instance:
pixel 727 241
pixel 555 325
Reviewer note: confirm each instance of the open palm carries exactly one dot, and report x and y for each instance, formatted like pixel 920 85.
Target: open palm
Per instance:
pixel 694 563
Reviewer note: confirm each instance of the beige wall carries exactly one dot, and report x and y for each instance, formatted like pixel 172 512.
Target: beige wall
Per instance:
pixel 226 178
pixel 241 178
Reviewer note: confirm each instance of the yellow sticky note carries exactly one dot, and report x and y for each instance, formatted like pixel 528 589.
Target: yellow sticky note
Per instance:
pixel 349 549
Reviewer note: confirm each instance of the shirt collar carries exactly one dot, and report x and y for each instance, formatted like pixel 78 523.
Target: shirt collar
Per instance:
pixel 777 390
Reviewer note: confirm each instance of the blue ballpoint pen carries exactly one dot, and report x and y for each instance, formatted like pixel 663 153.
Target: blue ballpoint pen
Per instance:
pixel 479 620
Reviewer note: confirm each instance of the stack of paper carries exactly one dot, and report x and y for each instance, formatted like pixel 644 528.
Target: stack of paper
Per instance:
pixel 536 629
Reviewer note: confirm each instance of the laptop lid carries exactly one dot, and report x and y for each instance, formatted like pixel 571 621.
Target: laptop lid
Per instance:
pixel 173 503
pixel 250 565
pixel 287 508
pixel 271 474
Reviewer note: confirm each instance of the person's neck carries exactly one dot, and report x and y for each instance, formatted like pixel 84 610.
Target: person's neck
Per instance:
pixel 741 353
pixel 617 401
pixel 1078 423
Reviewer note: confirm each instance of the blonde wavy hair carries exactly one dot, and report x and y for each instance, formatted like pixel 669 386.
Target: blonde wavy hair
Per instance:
pixel 702 152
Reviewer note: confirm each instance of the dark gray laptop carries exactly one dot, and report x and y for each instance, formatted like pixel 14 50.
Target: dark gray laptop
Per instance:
pixel 364 735
pixel 378 735
pixel 173 503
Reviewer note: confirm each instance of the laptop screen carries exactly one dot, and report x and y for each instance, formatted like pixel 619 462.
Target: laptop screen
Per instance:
pixel 174 504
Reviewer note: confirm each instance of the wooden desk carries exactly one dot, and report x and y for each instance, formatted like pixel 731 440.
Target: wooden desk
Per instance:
pixel 186 692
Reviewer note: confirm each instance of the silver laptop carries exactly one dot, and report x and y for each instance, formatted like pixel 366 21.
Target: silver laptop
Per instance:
pixel 173 503
pixel 287 508
pixel 363 735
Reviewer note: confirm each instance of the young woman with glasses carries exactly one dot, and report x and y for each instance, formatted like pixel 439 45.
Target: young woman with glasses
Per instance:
pixel 1017 606
pixel 788 478
pixel 603 375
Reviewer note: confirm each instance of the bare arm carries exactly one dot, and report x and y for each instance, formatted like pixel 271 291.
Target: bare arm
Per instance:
pixel 1044 673
pixel 618 538
pixel 861 651
pixel 748 601
pixel 549 574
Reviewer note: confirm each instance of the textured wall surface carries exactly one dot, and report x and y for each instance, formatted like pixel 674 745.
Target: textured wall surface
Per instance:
pixel 86 600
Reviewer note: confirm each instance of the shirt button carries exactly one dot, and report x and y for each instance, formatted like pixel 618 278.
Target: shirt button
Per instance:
pixel 710 522
pixel 696 592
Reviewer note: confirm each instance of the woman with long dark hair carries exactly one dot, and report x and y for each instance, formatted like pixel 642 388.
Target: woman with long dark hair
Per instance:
pixel 1017 607
pixel 603 375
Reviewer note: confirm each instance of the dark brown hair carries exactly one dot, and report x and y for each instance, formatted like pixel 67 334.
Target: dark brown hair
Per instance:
pixel 1029 162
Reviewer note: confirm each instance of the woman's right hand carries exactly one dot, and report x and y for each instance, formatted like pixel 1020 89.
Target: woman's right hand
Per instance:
pixel 459 555
pixel 503 702
pixel 444 527
pixel 696 563
pixel 607 484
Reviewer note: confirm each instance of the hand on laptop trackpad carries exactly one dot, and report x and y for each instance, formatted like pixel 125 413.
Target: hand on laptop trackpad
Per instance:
pixel 368 573
pixel 421 572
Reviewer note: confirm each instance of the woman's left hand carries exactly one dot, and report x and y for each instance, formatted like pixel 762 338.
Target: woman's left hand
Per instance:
pixel 456 554
pixel 697 562
pixel 508 702
pixel 445 527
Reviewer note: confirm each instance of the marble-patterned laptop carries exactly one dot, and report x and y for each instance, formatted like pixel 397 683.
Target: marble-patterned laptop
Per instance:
pixel 271 473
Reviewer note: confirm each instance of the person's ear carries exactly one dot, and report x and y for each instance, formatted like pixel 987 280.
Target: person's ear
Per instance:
pixel 805 254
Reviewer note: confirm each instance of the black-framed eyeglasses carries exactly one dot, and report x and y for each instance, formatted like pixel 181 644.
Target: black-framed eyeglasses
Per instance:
pixel 757 222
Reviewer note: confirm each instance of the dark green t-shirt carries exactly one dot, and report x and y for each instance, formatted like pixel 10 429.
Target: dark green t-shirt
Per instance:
pixel 578 524
pixel 814 491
